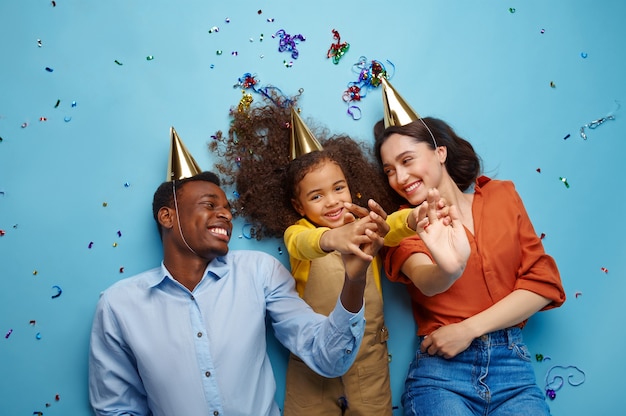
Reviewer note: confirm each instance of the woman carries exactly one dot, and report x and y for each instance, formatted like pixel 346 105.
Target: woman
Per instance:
pixel 473 282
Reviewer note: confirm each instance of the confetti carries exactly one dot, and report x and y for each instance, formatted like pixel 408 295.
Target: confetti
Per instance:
pixel 57 104
pixel 259 11
pixel 287 43
pixel 337 50
pixel 604 269
pixel 564 180
pixel 43 119
pixel 511 10
pixel 270 20
pixel 2 232
pixel 149 58
pixel 35 272
pixel 126 184
pixel 24 125
pixel 552 84
pixel 234 53
pixel 554 383
pixel 38 335
pixel 8 334
pixel 583 55
pixel 218 52
pixel 542 31
pixel 114 244
pixel 49 69
pixel 121 270
pixel 119 233
pixel 214 29
pixel 118 62
pixel 73 103
pixel 104 204
pixel 67 119
pixel 542 236
pixel 577 294
pixel 597 123
pixel 32 322
pixel 538 170
pixel 39 43
pixel 280 250
pixel 539 357
pixel 227 20
pixel 369 75
pixel 59 291
pixel 566 137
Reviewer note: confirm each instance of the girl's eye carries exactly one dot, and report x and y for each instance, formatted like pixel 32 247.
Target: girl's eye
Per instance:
pixel 314 197
pixel 406 160
pixel 388 172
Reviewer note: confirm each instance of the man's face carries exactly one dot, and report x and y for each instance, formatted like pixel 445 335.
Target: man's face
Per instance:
pixel 205 218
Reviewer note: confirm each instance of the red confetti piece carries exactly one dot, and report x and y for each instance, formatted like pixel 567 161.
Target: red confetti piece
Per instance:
pixel 43 119
pixel 121 270
pixel 539 170
pixel 259 11
pixel 57 398
pixel 542 236
pixel 2 232
pixel 337 50
pixel 577 294
pixel 604 269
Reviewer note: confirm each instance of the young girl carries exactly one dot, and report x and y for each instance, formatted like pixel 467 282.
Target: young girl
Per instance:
pixel 305 200
pixel 473 282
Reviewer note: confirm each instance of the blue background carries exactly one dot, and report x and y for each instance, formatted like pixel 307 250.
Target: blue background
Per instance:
pixel 478 65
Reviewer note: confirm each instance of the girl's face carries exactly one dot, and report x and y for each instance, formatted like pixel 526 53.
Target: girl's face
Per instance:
pixel 412 167
pixel 321 193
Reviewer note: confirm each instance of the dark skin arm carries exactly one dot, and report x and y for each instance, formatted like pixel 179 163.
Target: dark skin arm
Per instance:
pixel 355 265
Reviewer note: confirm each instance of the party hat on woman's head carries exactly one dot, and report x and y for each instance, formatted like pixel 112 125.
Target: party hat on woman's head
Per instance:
pixel 302 140
pixel 397 111
pixel 181 164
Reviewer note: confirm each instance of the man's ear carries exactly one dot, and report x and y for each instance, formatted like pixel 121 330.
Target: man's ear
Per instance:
pixel 166 217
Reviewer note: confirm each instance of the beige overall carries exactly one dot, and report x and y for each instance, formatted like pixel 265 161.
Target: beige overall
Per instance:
pixel 365 387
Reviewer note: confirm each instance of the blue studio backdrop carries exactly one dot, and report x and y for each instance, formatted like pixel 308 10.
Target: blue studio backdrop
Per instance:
pixel 89 90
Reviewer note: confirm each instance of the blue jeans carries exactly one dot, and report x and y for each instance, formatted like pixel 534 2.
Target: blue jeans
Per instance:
pixel 494 377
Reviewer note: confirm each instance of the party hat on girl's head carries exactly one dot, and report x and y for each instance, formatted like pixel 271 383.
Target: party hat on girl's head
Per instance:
pixel 302 140
pixel 397 111
pixel 181 164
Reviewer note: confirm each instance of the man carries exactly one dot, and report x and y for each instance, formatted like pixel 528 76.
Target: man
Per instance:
pixel 188 338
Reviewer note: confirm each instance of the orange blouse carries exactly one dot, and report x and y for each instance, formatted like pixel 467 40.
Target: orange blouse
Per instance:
pixel 506 254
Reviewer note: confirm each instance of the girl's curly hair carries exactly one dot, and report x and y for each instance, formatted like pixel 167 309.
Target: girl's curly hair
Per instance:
pixel 256 160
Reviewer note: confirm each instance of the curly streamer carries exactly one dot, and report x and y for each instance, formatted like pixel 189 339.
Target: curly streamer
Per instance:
pixel 337 50
pixel 369 74
pixel 554 383
pixel 597 123
pixel 287 43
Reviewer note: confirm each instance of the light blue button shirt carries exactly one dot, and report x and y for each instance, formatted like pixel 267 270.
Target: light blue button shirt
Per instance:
pixel 158 349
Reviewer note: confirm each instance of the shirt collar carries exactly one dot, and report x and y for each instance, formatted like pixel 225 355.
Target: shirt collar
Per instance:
pixel 217 268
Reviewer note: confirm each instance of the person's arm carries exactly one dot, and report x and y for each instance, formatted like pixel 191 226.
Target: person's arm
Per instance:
pixel 448 244
pixel 355 265
pixel 115 388
pixel 450 340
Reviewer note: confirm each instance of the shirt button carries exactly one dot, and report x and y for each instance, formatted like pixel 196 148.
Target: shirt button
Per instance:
pixel 199 334
pixel 192 298
pixel 348 351
pixel 354 323
pixel 207 374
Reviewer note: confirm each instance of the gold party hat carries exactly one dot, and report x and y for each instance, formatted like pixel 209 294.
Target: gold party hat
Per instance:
pixel 302 140
pixel 397 111
pixel 181 164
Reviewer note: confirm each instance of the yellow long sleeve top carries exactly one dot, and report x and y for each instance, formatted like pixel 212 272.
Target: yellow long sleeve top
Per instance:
pixel 302 241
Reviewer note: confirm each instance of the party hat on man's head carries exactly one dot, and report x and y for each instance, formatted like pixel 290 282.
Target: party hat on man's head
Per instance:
pixel 397 111
pixel 302 140
pixel 181 164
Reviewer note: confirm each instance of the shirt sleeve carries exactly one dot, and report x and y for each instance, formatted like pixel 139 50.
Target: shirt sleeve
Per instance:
pixel 398 227
pixel 303 242
pixel 396 256
pixel 328 345
pixel 115 387
pixel 538 271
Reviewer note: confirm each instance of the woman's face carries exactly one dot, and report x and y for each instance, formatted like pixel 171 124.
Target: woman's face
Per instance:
pixel 321 194
pixel 412 167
